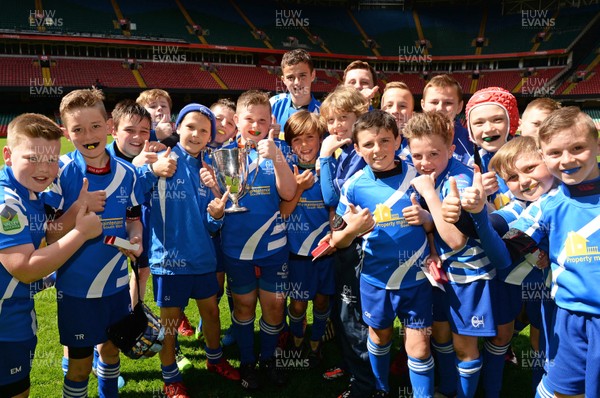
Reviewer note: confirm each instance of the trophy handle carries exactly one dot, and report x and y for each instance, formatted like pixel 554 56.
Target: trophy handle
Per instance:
pixel 247 147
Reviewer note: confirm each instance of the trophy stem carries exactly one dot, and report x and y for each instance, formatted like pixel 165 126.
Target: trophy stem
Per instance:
pixel 235 209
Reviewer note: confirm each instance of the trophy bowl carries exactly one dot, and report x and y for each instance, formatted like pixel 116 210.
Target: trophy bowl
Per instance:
pixel 231 171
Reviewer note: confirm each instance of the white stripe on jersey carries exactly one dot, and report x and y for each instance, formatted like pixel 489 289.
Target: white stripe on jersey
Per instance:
pixel 14 199
pixel 401 191
pixel 117 180
pixel 97 286
pixel 10 289
pixel 396 278
pixel 519 273
pixel 250 246
pixel 310 239
pixel 276 244
pixel 34 327
pixel 162 201
pixel 461 279
pixel 585 231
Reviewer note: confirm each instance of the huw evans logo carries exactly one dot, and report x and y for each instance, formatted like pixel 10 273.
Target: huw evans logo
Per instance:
pixel 413 55
pixel 289 19
pixel 535 19
pixel 45 18
pixel 167 54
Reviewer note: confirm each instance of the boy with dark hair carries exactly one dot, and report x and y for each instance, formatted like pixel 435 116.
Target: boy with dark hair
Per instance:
pixel 297 74
pixel 31 163
pixel 443 93
pixel 391 283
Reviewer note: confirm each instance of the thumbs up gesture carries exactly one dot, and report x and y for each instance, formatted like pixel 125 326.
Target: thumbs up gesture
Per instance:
pixel 146 156
pixel 305 180
pixel 268 149
pixel 474 198
pixel 88 223
pixel 451 204
pixel 359 221
pixel 164 166
pixel 415 214
pixel 94 201
pixel 164 128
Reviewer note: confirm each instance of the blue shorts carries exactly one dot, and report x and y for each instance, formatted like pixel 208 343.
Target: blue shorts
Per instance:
pixel 507 301
pixel 269 274
pixel 469 308
pixel 307 278
pixel 440 313
pixel 576 367
pixel 548 338
pixel 82 322
pixel 177 290
pixel 411 305
pixel 16 360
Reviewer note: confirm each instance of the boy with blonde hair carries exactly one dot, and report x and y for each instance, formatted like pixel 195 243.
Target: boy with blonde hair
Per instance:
pixel 534 114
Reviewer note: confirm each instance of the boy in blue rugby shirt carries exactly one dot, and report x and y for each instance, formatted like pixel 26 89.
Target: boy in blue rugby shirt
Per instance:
pixel 255 243
pixel 568 217
pixel 465 309
pixel 340 110
pixel 307 222
pixel 95 293
pixel 297 74
pixel 391 282
pixel 492 120
pixel 182 271
pixel 31 158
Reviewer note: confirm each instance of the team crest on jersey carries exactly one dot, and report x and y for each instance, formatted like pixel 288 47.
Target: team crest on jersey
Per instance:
pixel 122 196
pixel 577 245
pixel 477 321
pixel 12 219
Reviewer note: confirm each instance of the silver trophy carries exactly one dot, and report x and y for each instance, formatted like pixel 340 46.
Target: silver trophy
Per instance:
pixel 231 171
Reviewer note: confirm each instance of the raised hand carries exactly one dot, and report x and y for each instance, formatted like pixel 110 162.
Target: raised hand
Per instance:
pixel 331 144
pixel 164 166
pixel 207 175
pixel 415 214
pixel 88 223
pixel 274 129
pixel 451 203
pixel 163 128
pixel 147 156
pixel 359 221
pixel 94 200
pixel 216 207
pixel 490 182
pixel 474 198
pixel 424 183
pixel 305 180
pixel 267 149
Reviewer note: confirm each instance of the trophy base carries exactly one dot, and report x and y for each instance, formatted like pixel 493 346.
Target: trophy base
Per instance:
pixel 236 209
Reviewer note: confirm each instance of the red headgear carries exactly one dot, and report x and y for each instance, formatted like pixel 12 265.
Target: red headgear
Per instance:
pixel 496 96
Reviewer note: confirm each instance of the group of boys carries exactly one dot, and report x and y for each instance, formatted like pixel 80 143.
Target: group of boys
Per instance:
pixel 420 219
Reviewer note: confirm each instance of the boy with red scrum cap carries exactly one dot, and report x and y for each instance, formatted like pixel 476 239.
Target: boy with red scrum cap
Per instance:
pixel 492 119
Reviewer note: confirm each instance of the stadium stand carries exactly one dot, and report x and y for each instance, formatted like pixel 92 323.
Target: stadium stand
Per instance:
pixel 84 72
pixel 157 18
pixel 450 39
pixel 177 75
pixel 23 71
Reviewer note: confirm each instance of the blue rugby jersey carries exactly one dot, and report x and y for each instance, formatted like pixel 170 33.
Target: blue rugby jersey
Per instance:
pixel 470 262
pixel 309 222
pixel 282 109
pixel 569 217
pixel 96 269
pixel 22 221
pixel 394 251
pixel 180 226
pixel 259 232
